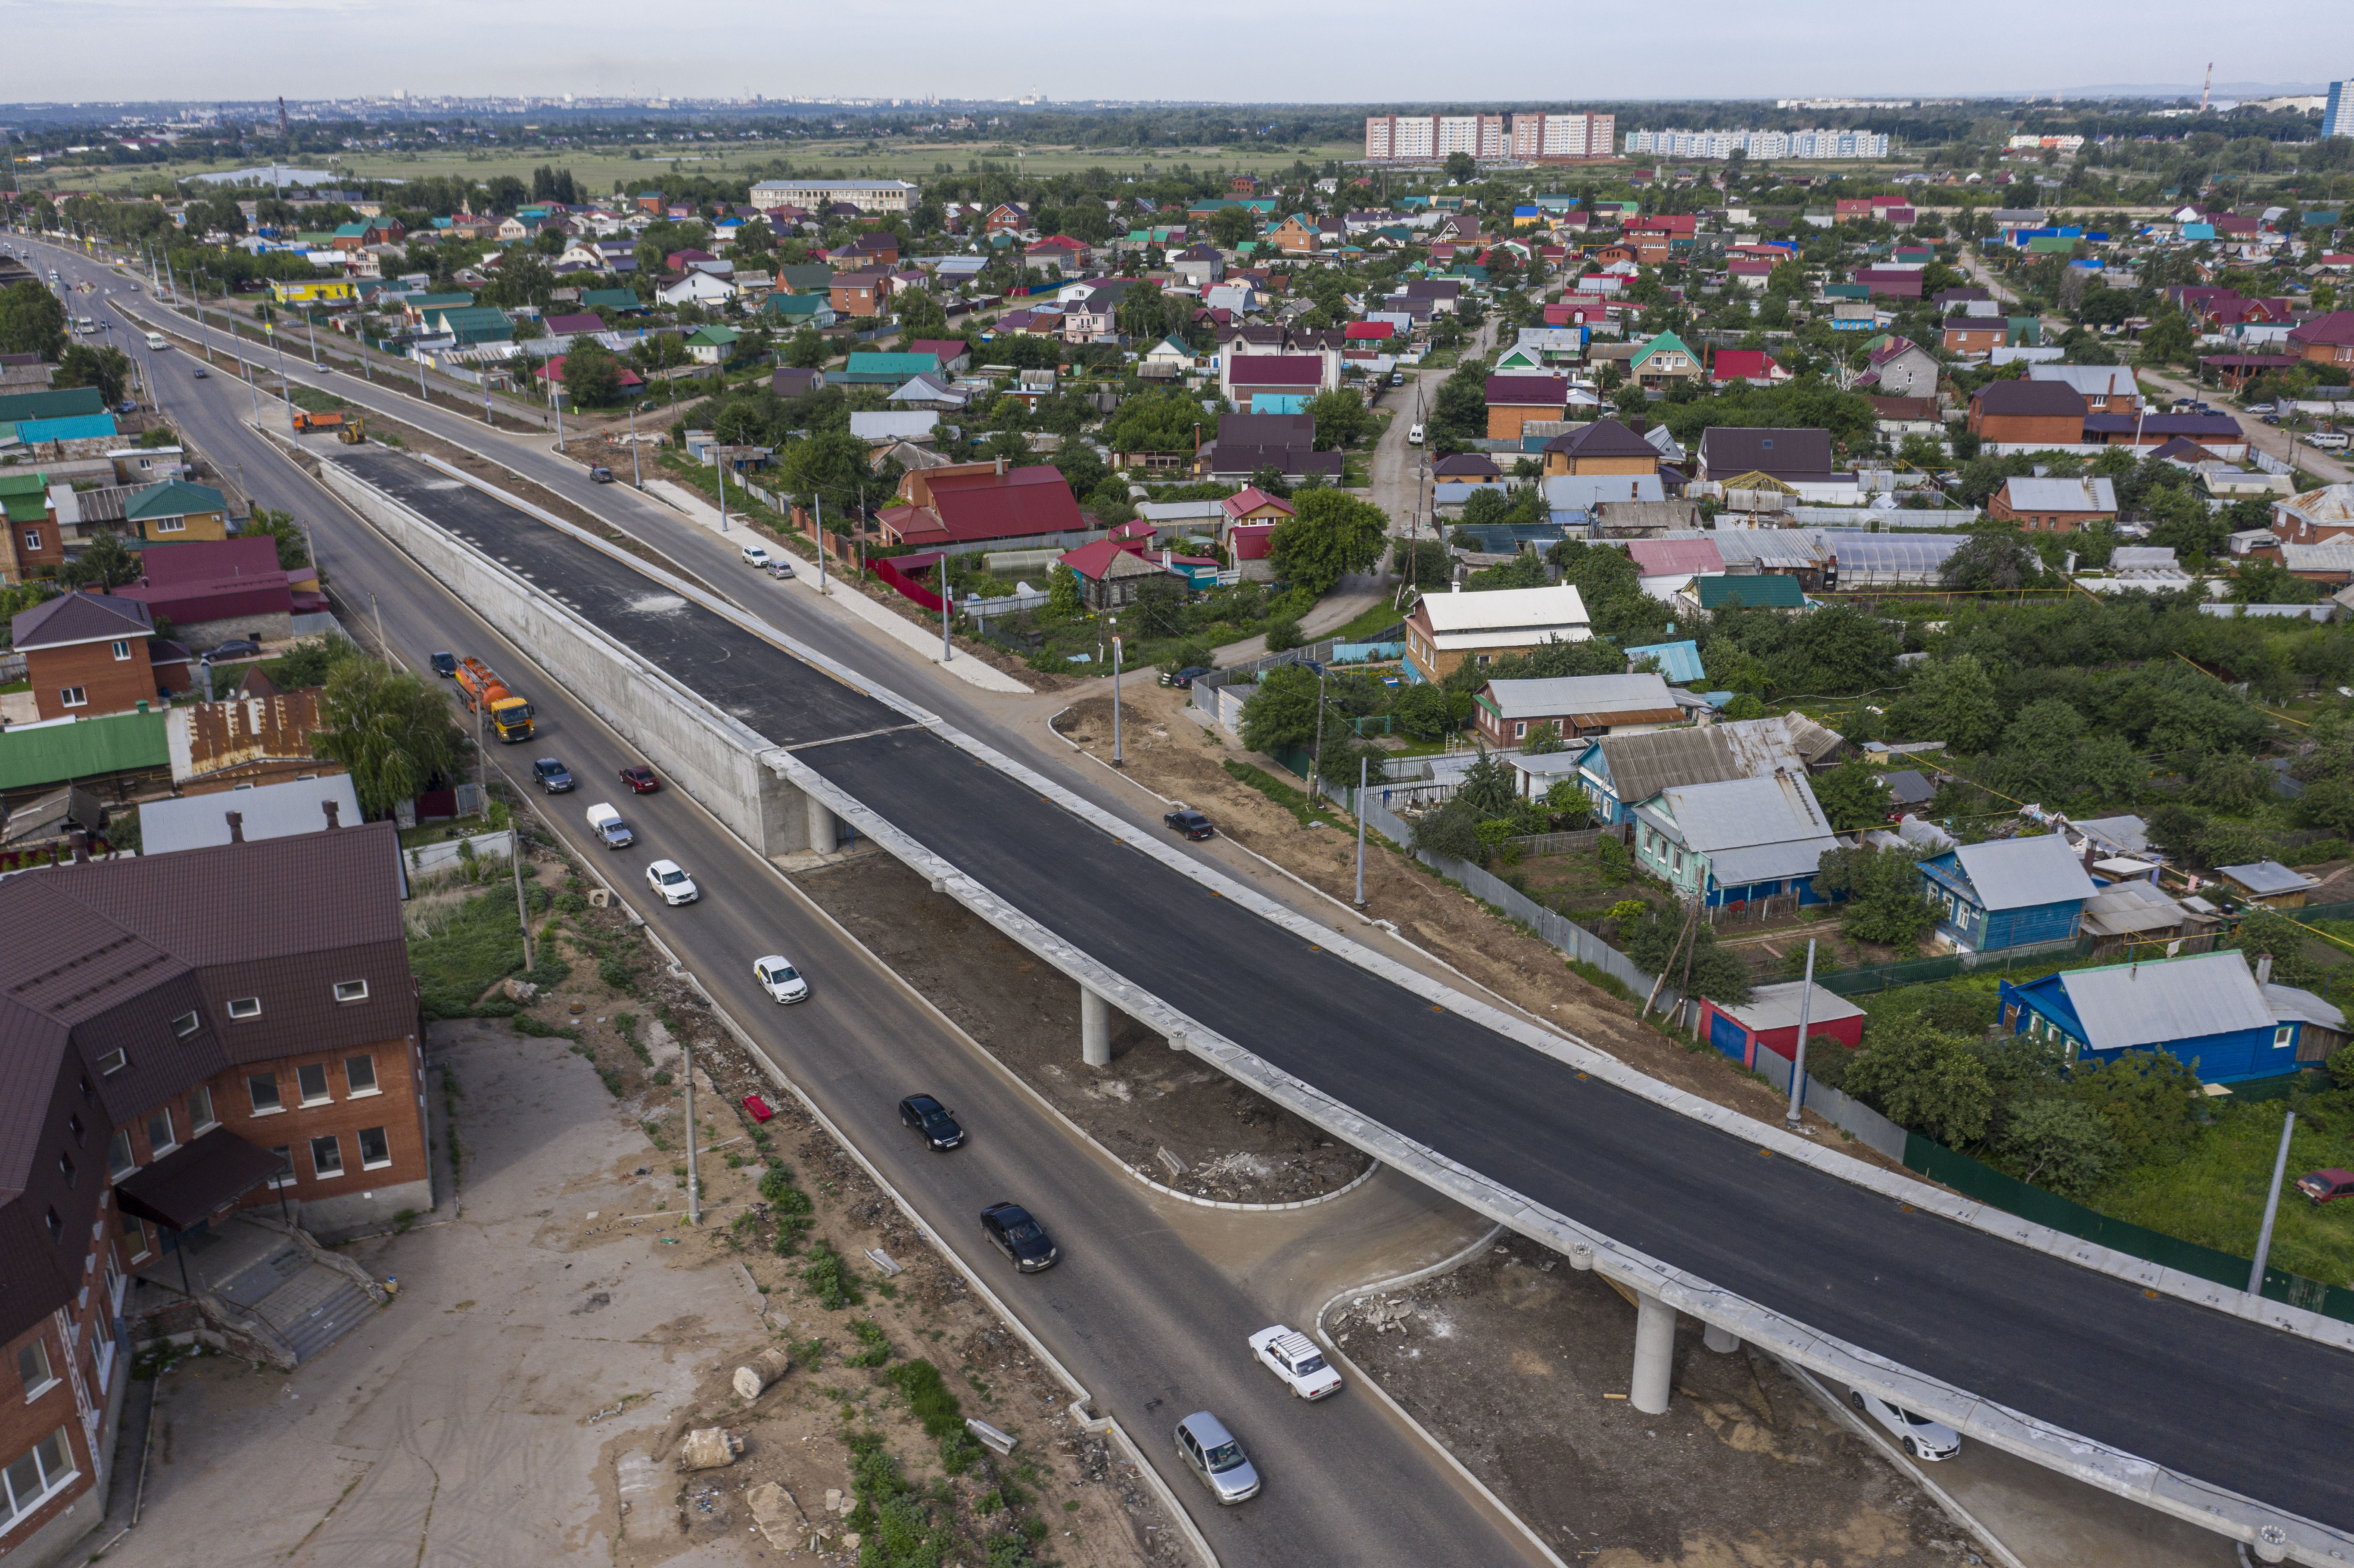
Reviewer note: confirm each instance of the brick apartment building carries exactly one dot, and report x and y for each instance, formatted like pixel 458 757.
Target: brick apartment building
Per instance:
pixel 188 1036
pixel 89 654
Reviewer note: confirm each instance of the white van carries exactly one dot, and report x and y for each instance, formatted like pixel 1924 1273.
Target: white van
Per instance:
pixel 2328 440
pixel 157 340
pixel 1414 436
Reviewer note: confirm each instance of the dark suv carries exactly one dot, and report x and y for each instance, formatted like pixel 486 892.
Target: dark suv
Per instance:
pixel 553 776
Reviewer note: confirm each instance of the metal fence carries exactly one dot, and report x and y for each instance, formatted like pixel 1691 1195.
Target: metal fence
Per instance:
pixel 1560 843
pixel 1871 977
pixel 2268 464
pixel 1842 1111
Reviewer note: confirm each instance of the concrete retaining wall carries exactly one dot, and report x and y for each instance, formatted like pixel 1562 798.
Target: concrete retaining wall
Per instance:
pixel 707 753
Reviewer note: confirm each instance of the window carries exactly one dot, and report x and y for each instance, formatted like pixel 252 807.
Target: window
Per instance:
pixel 326 1157
pixel 170 524
pixel 113 1062
pixel 285 1177
pixel 66 1167
pixel 351 990
pixel 374 1151
pixel 184 1025
pixel 135 1237
pixel 81 1133
pixel 73 697
pixel 2282 1034
pixel 33 1366
pixel 120 1162
pixel 40 1475
pixel 121 648
pixel 312 1080
pixel 32 541
pixel 246 1007
pixel 159 1132
pixel 359 1076
pixel 263 1087
pixel 1519 729
pixel 56 1226
pixel 200 1109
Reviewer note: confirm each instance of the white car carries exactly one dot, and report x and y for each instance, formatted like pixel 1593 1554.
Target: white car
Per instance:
pixel 665 877
pixel 1414 436
pixel 1293 1357
pixel 780 979
pixel 1920 1437
pixel 756 556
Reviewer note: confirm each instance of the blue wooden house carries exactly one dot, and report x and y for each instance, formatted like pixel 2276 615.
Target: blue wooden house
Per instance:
pixel 2207 1010
pixel 2008 893
pixel 1740 841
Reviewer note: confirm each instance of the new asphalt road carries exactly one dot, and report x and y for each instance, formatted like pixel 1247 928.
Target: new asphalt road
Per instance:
pixel 2211 1397
pixel 1152 1327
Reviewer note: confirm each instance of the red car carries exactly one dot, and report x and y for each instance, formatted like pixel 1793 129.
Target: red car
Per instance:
pixel 2324 1185
pixel 641 780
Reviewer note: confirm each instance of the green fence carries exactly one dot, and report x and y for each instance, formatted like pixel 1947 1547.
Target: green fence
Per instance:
pixel 2038 957
pixel 1987 1185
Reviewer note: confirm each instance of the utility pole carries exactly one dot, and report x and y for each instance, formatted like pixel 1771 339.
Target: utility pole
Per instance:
pixel 382 647
pixel 693 1136
pixel 1360 803
pixel 719 462
pixel 1791 1120
pixel 947 606
pixel 1315 763
pixel 817 499
pixel 284 386
pixel 514 858
pixel 556 401
pixel 636 481
pixel 2271 1207
pixel 1118 760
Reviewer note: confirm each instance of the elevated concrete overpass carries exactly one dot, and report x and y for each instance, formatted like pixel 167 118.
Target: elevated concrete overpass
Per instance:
pixel 2189 1398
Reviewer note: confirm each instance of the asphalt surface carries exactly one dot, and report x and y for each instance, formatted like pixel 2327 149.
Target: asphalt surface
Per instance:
pixel 2211 1397
pixel 1150 1327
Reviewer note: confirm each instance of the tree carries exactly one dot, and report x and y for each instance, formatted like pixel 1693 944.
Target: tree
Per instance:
pixel 1462 168
pixel 1923 1077
pixel 1459 412
pixel 1543 740
pixel 103 562
pixel 1063 592
pixel 1852 796
pixel 391 730
pixel 1342 419
pixel 1331 534
pixel 108 370
pixel 920 317
pixel 1424 712
pixel 1451 829
pixel 1233 226
pixel 592 374
pixel 1165 419
pixel 1281 714
pixel 2060 1145
pixel 1991 561
pixel 2265 930
pixel 293 551
pixel 32 320
pixel 806 349
pixel 1882 887
pixel 1952 700
pixel 2150 1101
pixel 1142 314
pixel 1662 941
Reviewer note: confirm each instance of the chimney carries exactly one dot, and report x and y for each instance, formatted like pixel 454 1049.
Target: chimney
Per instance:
pixel 236 827
pixel 1001 466
pixel 334 810
pixel 2263 969
pixel 80 847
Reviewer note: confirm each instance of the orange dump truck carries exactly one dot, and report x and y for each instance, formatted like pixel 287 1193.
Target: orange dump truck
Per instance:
pixel 508 715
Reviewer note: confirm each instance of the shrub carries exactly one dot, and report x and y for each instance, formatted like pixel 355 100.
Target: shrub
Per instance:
pixel 869 1333
pixel 827 1275
pixel 1283 635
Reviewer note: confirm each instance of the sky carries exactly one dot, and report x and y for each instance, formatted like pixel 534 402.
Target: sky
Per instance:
pixel 1305 51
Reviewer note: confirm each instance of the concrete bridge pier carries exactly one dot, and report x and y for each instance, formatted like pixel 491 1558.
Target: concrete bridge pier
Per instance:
pixel 1723 1341
pixel 823 837
pixel 1095 1029
pixel 1655 1354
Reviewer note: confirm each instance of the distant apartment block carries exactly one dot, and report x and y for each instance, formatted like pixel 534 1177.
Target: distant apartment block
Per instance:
pixel 1761 144
pixel 2337 112
pixel 1490 138
pixel 816 195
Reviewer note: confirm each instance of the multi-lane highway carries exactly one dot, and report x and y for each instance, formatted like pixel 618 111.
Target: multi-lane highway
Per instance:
pixel 1152 1327
pixel 2214 1398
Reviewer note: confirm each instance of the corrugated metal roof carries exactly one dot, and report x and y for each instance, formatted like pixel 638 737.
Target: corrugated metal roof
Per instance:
pixel 1772 1007
pixel 2288 1002
pixel 2129 833
pixel 2142 558
pixel 2062 495
pixel 2266 877
pixel 1661 557
pixel 2156 1004
pixel 1763 590
pixel 1643 765
pixel 1505 610
pixel 1766 549
pixel 1751 830
pixel 1581 695
pixel 1678 662
pixel 52 753
pixel 266 811
pixel 2018 873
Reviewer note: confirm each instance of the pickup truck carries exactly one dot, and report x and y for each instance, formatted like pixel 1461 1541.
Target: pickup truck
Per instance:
pixel 607 824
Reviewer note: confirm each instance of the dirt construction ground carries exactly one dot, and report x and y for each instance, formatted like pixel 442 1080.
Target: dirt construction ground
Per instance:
pixel 1518 1364
pixel 1169 1116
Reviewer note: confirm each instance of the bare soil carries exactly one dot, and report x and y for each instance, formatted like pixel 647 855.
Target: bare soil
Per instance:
pixel 801 1432
pixel 1169 753
pixel 1165 1115
pixel 1513 1362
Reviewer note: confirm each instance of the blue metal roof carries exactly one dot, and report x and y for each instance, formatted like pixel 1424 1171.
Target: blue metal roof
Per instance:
pixel 72 427
pixel 1679 662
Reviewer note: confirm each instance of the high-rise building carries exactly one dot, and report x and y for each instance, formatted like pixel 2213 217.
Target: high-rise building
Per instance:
pixel 1538 136
pixel 1390 137
pixel 1490 138
pixel 2337 113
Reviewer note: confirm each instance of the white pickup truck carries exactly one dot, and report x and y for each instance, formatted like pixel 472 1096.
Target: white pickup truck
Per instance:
pixel 607 825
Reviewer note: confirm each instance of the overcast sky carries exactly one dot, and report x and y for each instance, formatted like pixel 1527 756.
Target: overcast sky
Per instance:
pixel 1229 50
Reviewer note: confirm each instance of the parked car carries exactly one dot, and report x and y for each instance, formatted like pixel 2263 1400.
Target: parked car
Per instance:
pixel 779 568
pixel 235 648
pixel 1190 823
pixel 641 780
pixel 757 556
pixel 677 887
pixel 1293 1357
pixel 1183 679
pixel 2260 409
pixel 607 825
pixel 780 979
pixel 1210 1451
pixel 1920 1437
pixel 444 665
pixel 126 407
pixel 553 776
pixel 2323 1185
pixel 931 1120
pixel 1012 1231
pixel 1414 436
pixel 600 476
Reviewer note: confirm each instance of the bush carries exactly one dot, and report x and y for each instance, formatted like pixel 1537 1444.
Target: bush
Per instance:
pixel 869 1333
pixel 1283 635
pixel 827 1275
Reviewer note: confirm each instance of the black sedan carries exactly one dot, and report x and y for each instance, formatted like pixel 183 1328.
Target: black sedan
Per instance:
pixel 930 1120
pixel 235 648
pixel 1190 823
pixel 553 776
pixel 445 666
pixel 1012 1231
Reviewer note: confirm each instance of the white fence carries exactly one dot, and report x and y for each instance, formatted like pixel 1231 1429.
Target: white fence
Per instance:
pixel 2268 464
pixel 425 859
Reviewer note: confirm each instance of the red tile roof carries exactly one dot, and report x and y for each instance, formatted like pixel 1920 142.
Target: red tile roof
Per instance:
pixel 1742 364
pixel 1094 561
pixel 1251 500
pixel 1018 503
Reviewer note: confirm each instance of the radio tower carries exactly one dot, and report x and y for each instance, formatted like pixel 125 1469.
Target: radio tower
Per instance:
pixel 2203 92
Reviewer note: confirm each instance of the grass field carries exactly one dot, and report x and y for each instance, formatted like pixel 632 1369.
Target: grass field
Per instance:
pixel 599 167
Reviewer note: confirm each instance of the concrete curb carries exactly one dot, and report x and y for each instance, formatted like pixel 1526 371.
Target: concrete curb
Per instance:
pixel 1399 1282
pixel 1847 1417
pixel 2112 1469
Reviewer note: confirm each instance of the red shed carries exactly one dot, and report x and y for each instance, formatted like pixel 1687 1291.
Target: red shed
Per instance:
pixel 1769 1021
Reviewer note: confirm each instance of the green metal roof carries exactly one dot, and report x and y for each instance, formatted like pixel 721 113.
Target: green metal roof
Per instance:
pixel 62 403
pixel 25 496
pixel 423 303
pixel 893 364
pixel 1766 590
pixel 610 299
pixel 713 336
pixel 794 304
pixel 34 755
pixel 173 497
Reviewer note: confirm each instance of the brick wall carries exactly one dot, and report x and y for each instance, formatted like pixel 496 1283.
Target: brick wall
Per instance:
pixel 79 1367
pixel 107 685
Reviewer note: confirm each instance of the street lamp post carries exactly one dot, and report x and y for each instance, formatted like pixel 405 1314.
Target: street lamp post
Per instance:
pixel 285 385
pixel 2271 1207
pixel 817 499
pixel 636 482
pixel 947 605
pixel 1798 1062
pixel 1118 760
pixel 1361 763
pixel 719 462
